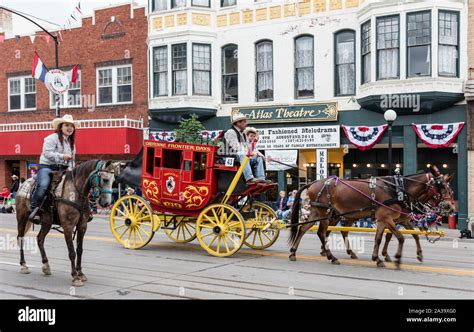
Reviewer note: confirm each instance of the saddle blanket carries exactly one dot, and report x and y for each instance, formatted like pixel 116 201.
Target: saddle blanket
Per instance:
pixel 26 189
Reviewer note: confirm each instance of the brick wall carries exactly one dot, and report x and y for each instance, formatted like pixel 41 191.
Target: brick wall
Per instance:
pixel 87 47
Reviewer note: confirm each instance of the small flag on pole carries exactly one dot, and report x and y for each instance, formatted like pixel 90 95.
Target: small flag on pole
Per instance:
pixel 39 70
pixel 73 74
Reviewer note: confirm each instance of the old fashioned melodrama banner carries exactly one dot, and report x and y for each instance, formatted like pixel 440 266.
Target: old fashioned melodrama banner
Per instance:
pixel 290 113
pixel 322 137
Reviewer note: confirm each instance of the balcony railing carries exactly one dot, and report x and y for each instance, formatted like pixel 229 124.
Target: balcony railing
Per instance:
pixel 83 124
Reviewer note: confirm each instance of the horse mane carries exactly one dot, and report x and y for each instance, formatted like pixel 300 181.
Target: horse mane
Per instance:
pixel 82 171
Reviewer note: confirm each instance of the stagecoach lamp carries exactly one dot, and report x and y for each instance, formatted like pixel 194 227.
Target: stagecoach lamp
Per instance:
pixel 390 116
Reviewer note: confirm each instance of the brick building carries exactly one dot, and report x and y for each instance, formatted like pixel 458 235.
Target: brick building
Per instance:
pixel 470 100
pixel 110 98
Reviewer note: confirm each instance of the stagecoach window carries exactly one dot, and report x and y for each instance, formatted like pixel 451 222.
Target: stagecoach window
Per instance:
pixel 150 155
pixel 180 67
pixel 71 98
pixel 230 77
pixel 160 71
pixel 227 3
pixel 202 69
pixel 419 44
pixel 448 59
pixel 199 166
pixel 388 43
pixel 172 158
pixel 304 66
pixel 159 5
pixel 345 63
pixel 366 29
pixel 264 70
pixel 22 93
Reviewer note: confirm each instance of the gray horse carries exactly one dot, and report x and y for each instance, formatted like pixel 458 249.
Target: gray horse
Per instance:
pixel 71 202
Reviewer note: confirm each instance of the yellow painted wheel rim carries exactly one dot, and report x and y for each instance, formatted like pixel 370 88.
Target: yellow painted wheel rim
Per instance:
pixel 257 237
pixel 184 232
pixel 220 230
pixel 131 222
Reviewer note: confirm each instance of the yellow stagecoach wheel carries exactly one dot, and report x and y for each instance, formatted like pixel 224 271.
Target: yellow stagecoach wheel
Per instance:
pixel 220 230
pixel 264 232
pixel 185 231
pixel 131 222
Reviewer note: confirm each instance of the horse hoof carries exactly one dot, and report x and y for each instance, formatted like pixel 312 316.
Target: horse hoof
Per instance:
pixel 76 282
pixel 420 258
pixel 323 253
pixel 388 259
pixel 398 264
pixel 354 256
pixel 25 270
pixel 336 262
pixel 292 258
pixel 46 270
pixel 380 264
pixel 82 277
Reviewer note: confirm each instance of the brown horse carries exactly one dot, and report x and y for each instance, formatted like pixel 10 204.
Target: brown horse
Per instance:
pixel 355 200
pixel 430 197
pixel 72 211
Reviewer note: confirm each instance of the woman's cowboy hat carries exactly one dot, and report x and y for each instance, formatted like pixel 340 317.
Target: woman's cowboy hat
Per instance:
pixel 250 130
pixel 238 117
pixel 65 119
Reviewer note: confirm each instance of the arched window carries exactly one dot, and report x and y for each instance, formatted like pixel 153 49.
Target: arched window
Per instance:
pixel 230 76
pixel 264 58
pixel 304 67
pixel 345 63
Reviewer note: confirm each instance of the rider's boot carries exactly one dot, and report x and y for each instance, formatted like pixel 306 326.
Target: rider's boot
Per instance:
pixel 34 216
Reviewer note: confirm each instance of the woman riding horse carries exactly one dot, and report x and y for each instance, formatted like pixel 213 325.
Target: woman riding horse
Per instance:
pixel 58 154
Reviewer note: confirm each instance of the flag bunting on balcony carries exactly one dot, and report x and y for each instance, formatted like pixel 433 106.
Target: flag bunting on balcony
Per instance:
pixel 364 138
pixel 438 135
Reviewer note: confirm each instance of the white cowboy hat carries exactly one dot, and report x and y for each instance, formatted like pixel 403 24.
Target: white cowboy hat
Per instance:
pixel 65 119
pixel 250 130
pixel 14 177
pixel 237 117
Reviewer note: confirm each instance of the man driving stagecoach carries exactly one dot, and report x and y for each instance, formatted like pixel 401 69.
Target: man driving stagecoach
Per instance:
pixel 237 141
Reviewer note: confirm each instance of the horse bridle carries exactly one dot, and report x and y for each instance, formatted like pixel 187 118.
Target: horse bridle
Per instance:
pixel 94 180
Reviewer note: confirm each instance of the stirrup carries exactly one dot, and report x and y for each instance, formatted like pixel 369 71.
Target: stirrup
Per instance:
pixel 34 217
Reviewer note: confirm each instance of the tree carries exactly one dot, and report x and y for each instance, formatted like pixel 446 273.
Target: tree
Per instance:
pixel 189 130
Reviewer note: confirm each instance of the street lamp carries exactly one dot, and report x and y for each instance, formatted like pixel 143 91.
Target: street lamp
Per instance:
pixel 56 44
pixel 390 116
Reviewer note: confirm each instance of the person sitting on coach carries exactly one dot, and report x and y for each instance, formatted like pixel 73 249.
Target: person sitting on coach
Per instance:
pixel 58 154
pixel 236 144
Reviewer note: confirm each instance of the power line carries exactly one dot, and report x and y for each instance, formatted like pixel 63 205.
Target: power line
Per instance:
pixel 35 17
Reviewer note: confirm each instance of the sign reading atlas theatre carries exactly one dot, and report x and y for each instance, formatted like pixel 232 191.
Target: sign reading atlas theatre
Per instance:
pixel 323 137
pixel 287 113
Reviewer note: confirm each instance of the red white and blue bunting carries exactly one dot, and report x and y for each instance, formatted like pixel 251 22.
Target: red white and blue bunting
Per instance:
pixel 364 138
pixel 438 135
pixel 169 136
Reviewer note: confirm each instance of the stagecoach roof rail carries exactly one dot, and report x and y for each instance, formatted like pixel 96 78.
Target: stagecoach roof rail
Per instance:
pixel 88 124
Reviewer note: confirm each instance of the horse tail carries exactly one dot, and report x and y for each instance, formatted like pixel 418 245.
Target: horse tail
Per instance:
pixel 295 214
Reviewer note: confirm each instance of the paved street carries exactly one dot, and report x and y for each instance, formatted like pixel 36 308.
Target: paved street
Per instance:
pixel 167 270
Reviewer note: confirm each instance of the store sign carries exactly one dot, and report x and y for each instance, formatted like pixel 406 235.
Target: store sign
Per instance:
pixel 321 164
pixel 279 160
pixel 287 113
pixel 56 81
pixel 322 137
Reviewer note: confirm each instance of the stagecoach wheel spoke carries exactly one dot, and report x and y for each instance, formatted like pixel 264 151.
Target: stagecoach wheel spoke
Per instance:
pixel 230 226
pixel 184 232
pixel 132 213
pixel 264 216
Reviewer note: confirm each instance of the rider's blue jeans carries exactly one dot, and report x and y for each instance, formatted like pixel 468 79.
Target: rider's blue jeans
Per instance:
pixel 254 168
pixel 43 180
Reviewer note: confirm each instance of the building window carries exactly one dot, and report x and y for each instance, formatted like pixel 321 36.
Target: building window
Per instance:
pixel 178 3
pixel 230 76
pixel 160 71
pixel 264 70
pixel 419 44
pixel 227 3
pixel 345 63
pixel 114 85
pixel 71 98
pixel 180 71
pixel 202 69
pixel 388 44
pixel 157 5
pixel 448 58
pixel 21 93
pixel 304 67
pixel 365 52
pixel 201 3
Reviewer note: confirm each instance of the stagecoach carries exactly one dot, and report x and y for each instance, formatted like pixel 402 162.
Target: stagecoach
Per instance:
pixel 190 191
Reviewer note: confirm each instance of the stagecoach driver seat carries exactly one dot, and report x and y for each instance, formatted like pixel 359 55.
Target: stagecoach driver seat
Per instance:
pixel 235 144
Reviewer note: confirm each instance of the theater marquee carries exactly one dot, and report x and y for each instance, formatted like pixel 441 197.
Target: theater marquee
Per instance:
pixel 323 137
